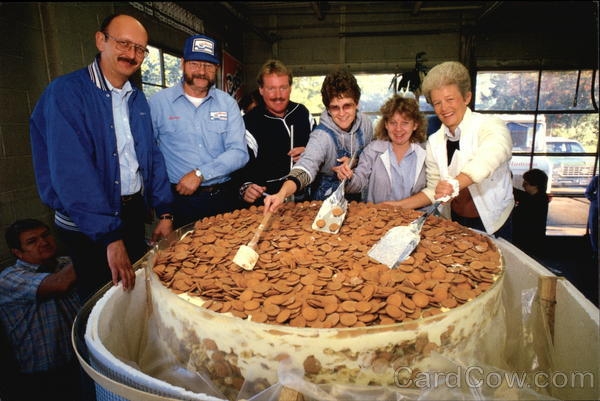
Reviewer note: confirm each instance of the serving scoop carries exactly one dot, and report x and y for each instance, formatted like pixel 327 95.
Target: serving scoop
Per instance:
pixel 246 256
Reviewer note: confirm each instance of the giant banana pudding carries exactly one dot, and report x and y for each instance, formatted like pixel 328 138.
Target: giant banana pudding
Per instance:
pixel 318 300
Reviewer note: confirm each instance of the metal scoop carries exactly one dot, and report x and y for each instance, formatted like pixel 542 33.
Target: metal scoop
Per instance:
pixel 399 242
pixel 332 212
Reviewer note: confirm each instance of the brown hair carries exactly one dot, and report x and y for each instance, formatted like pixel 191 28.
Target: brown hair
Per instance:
pixel 404 106
pixel 14 231
pixel 273 67
pixel 340 83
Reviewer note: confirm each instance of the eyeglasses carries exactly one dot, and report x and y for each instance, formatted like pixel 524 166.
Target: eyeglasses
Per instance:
pixel 125 46
pixel 346 107
pixel 196 65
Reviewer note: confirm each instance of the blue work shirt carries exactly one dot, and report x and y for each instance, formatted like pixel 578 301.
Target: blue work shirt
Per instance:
pixel 210 137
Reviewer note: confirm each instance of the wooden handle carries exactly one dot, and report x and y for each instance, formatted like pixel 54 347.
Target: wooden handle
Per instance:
pixel 287 394
pixel 261 227
pixel 547 293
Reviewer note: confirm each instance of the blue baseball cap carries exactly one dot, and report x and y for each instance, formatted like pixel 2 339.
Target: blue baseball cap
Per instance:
pixel 201 48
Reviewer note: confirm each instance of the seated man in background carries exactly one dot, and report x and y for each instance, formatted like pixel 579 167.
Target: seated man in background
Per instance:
pixel 38 305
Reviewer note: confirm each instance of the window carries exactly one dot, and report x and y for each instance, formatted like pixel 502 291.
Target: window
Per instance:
pixel 564 138
pixel 159 70
pixel 375 90
pixel 307 90
pixel 552 117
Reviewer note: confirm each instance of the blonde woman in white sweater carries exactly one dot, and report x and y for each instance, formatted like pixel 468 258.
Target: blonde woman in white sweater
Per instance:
pixel 468 157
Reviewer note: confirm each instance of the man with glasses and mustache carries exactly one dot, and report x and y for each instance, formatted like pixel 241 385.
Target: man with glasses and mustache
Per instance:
pixel 200 131
pixel 277 132
pixel 96 161
pixel 342 133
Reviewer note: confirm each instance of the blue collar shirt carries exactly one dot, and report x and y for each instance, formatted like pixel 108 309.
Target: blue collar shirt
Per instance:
pixel 402 176
pixel 210 137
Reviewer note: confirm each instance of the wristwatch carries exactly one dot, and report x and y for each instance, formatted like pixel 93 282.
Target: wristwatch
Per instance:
pixel 198 173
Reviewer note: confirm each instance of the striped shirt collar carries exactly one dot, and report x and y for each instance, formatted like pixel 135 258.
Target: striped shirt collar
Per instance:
pixel 98 78
pixel 96 74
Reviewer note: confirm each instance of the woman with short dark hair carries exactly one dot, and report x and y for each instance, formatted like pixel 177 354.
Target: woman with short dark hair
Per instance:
pixel 342 133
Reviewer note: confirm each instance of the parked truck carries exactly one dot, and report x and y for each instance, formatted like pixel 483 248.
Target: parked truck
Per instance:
pixel 573 169
pixel 522 129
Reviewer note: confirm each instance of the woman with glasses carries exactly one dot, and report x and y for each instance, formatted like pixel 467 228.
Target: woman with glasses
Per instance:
pixel 341 135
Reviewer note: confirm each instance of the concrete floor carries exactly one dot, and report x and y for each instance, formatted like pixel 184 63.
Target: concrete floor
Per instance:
pixel 567 216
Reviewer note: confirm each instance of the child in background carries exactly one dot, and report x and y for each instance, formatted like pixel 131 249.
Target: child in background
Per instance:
pixel 531 212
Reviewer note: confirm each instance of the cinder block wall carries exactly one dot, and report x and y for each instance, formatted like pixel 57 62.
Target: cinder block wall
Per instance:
pixel 39 41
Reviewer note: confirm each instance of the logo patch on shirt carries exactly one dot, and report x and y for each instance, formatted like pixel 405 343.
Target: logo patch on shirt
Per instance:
pixel 174 117
pixel 218 115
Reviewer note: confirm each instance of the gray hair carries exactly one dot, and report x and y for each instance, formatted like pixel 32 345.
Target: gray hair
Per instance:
pixel 447 73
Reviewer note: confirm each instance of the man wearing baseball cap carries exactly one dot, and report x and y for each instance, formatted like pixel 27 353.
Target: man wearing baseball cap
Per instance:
pixel 200 131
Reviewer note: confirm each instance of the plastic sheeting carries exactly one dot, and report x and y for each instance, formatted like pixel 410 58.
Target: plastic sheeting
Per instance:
pixel 513 363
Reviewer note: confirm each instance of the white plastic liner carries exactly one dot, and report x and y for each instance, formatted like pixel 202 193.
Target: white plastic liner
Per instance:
pixel 122 345
pixel 120 341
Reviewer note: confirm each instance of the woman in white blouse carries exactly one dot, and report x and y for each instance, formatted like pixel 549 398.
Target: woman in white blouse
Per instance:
pixel 468 157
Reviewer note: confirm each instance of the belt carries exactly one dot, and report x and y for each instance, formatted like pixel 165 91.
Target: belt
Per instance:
pixel 210 188
pixel 207 188
pixel 128 198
